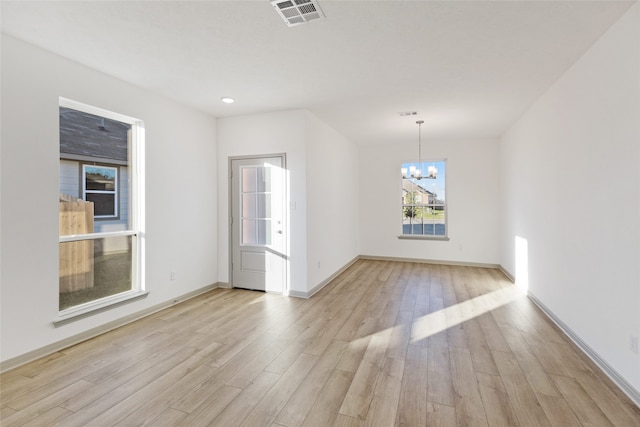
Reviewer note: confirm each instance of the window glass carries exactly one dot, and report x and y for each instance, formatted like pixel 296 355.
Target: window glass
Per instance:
pixel 424 210
pixel 104 205
pixel 100 188
pixel 97 196
pixel 94 269
pixel 100 178
pixel 256 205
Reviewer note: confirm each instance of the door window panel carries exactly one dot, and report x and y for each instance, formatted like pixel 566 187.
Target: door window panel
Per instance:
pixel 256 205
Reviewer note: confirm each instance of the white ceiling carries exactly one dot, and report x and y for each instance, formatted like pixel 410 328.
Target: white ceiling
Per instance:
pixel 469 68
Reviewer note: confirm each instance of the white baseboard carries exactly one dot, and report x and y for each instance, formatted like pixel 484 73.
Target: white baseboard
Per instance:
pixel 325 282
pixel 619 380
pixel 298 294
pixel 99 330
pixel 507 274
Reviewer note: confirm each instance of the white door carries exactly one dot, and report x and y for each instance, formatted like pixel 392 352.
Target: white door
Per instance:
pixel 258 232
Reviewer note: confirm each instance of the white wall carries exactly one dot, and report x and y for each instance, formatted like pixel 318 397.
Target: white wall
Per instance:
pixel 472 201
pixel 180 193
pixel 272 133
pixel 571 188
pixel 332 201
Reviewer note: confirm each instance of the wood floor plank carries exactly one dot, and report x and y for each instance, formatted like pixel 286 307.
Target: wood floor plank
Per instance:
pixel 425 324
pixel 29 370
pixel 361 390
pixel 543 325
pixel 492 333
pixel 385 343
pixel 536 376
pixel 521 397
pixel 482 360
pixel 49 418
pixel 28 414
pixel 438 315
pixel 298 406
pixel 235 413
pixel 352 356
pixel 326 407
pixel 295 347
pixel 496 401
pixel 252 369
pixel 268 408
pixel 383 409
pixel 215 403
pixel 412 405
pixel 92 411
pixel 344 421
pixel 587 411
pixel 619 413
pixel 440 385
pixel 400 335
pixel 5 412
pixel 321 340
pixel 237 363
pixel 168 417
pixel 468 403
pixel 196 395
pixel 163 392
pixel 512 335
pixel 441 415
pixel 408 301
pixel 456 334
pixel 389 315
pixel 558 411
pixel 475 334
pixel 551 360
pixel 118 379
pixel 42 386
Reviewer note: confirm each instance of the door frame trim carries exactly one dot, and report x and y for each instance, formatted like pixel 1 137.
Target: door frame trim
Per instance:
pixel 283 156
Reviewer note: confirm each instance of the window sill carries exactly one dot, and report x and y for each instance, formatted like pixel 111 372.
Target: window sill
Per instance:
pixel 89 309
pixel 417 237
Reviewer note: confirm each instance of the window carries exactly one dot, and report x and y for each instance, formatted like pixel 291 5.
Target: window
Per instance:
pixel 424 209
pixel 256 205
pixel 100 186
pixel 100 213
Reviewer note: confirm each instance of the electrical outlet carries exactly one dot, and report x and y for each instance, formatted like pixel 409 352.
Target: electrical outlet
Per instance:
pixel 633 344
pixel 172 275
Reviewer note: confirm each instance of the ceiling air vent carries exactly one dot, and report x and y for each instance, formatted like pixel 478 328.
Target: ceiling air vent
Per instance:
pixel 296 12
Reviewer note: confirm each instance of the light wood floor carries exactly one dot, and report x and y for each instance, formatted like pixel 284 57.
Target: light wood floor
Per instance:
pixel 387 343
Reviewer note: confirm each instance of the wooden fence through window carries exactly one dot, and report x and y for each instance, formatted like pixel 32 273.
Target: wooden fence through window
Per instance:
pixel 76 258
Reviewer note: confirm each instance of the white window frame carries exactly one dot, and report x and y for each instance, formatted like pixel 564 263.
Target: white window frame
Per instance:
pixel 136 219
pixel 423 165
pixel 115 192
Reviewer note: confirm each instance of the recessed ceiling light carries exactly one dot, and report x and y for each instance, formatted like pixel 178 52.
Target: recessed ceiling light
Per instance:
pixel 228 100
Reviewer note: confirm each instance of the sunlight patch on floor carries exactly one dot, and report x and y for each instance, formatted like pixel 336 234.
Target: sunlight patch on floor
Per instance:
pixel 441 320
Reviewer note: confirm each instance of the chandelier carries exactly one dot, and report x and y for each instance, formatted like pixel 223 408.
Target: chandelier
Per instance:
pixel 416 172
